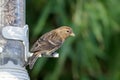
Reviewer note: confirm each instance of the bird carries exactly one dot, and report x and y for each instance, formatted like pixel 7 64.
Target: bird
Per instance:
pixel 48 43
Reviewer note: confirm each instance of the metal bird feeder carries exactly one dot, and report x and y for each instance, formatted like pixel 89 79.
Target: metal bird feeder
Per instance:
pixel 13 40
pixel 14 44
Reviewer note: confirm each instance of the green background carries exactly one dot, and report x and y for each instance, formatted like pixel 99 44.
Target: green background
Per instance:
pixel 93 54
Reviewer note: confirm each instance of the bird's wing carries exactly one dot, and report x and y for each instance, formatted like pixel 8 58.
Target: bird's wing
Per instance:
pixel 50 41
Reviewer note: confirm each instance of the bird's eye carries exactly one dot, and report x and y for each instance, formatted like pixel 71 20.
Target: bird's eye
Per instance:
pixel 68 31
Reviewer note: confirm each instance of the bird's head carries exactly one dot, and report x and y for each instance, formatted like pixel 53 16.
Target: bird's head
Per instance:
pixel 65 31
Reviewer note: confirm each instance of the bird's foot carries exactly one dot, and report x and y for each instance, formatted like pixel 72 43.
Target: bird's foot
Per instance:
pixel 54 54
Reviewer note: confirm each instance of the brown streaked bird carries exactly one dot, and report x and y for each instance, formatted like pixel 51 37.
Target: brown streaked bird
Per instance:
pixel 49 43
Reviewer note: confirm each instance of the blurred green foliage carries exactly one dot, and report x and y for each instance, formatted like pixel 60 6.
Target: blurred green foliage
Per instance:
pixel 93 54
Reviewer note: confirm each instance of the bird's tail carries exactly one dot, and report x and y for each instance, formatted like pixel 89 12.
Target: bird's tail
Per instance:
pixel 32 60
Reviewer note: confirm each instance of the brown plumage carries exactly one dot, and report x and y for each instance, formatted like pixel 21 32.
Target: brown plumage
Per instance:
pixel 49 43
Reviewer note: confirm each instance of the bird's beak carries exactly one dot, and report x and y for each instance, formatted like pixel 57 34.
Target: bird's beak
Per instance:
pixel 72 34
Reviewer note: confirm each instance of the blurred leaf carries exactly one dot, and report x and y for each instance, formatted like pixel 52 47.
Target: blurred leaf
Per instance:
pixel 42 20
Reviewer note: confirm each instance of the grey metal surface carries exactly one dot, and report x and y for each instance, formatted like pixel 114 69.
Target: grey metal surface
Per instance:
pixel 11 14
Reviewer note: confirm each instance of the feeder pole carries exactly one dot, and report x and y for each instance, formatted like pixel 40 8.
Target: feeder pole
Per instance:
pixel 13 40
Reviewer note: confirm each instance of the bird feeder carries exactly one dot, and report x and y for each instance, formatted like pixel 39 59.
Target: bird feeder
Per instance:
pixel 13 40
pixel 14 44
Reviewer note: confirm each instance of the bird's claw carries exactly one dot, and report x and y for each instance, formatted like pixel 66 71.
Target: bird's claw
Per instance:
pixel 54 54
